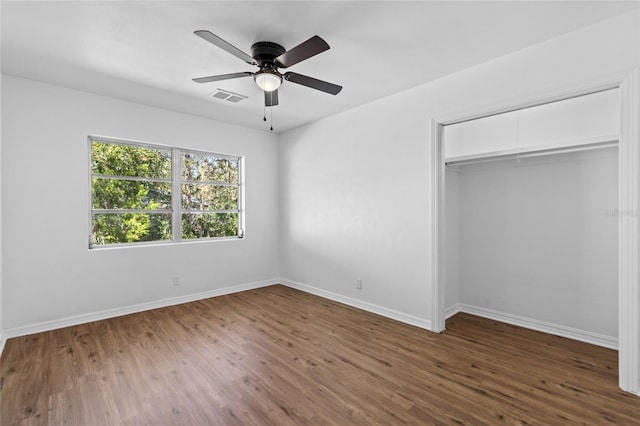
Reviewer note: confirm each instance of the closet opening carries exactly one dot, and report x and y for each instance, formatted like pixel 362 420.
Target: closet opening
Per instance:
pixel 529 216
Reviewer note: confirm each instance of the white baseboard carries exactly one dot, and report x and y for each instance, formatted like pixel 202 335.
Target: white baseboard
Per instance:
pixel 556 329
pixel 451 311
pixel 131 309
pixel 534 324
pixel 356 303
pixel 3 340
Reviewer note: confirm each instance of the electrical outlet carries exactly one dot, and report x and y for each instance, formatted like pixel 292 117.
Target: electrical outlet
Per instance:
pixel 359 284
pixel 176 280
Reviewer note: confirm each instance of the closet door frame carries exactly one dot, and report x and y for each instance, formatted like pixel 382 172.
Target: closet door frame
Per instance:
pixel 628 207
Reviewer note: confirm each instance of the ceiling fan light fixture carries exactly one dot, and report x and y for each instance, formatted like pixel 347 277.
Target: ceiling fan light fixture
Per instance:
pixel 267 80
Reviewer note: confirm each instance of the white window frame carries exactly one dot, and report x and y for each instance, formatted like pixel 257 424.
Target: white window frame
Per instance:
pixel 176 182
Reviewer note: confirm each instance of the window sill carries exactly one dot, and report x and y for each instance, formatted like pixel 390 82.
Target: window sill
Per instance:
pixel 162 243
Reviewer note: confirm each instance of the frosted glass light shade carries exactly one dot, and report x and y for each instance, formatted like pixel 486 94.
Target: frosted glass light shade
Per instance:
pixel 267 81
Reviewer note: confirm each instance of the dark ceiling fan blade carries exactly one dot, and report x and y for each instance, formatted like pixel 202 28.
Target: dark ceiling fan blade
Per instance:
pixel 222 77
pixel 224 45
pixel 314 83
pixel 303 51
pixel 271 98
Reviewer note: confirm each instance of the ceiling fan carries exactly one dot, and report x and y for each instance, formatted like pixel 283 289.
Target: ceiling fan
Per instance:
pixel 268 57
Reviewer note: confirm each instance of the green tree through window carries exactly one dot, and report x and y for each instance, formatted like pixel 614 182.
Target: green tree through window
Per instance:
pixel 209 183
pixel 132 197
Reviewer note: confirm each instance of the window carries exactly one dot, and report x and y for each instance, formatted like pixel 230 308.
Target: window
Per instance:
pixel 143 193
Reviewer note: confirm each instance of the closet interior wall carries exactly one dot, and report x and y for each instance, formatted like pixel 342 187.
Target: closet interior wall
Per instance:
pixel 537 239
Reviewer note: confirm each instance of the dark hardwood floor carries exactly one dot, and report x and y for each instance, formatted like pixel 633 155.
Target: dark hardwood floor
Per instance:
pixel 280 356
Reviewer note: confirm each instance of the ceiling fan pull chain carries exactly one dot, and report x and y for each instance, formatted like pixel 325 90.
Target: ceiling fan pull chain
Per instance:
pixel 271 118
pixel 264 113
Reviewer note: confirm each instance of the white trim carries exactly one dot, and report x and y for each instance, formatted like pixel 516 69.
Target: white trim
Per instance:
pixel 451 311
pixel 208 182
pixel 629 195
pixel 176 196
pixel 154 145
pixel 537 150
pixel 241 199
pixel 131 309
pixel 360 304
pixel 438 228
pixel 3 341
pixel 130 178
pixel 629 234
pixel 543 326
pixel 538 97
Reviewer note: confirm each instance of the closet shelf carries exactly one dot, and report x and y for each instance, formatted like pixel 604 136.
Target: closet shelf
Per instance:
pixel 605 141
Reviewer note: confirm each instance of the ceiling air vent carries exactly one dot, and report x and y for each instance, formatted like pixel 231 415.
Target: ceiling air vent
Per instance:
pixel 225 95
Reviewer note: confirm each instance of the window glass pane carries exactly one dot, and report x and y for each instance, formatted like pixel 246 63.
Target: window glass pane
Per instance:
pixel 128 194
pixel 126 160
pixel 209 197
pixel 130 228
pixel 208 167
pixel 207 225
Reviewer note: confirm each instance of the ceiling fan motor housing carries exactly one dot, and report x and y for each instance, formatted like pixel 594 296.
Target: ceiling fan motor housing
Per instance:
pixel 266 51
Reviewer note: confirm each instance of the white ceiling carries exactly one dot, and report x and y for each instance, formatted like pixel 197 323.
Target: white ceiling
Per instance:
pixel 146 52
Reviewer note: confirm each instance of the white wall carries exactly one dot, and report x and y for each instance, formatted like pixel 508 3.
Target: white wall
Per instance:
pixel 539 239
pixel 349 208
pixel 355 187
pixel 49 273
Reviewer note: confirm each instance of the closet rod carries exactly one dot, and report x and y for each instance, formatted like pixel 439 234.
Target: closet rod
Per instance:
pixel 508 154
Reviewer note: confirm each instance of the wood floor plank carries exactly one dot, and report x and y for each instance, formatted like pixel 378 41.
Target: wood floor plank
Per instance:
pixel 277 356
